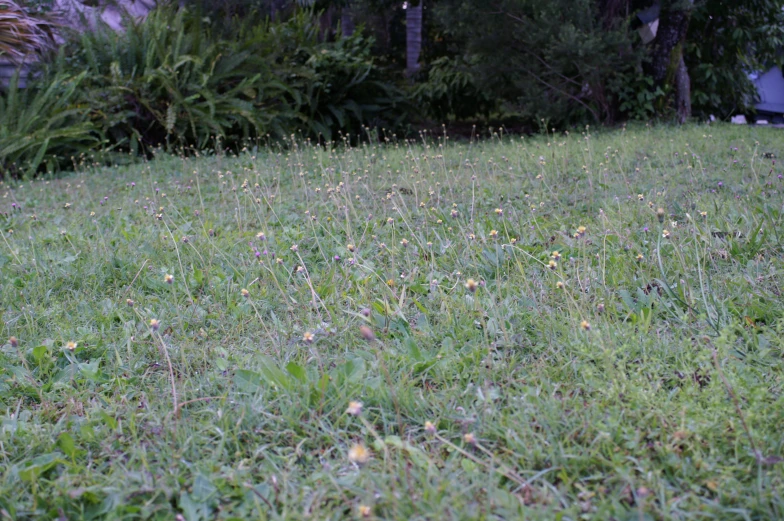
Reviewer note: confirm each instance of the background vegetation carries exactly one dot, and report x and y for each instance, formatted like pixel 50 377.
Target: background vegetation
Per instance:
pixel 231 73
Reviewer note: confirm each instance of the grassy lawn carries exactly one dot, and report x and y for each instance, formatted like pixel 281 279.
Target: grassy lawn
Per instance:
pixel 567 327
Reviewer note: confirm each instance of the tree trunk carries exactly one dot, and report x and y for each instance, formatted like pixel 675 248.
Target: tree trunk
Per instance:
pixel 413 37
pixel 682 92
pixel 667 65
pixel 346 21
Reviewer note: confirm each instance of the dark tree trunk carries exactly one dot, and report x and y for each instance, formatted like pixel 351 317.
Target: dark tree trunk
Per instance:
pixel 347 26
pixel 413 36
pixel 682 92
pixel 667 65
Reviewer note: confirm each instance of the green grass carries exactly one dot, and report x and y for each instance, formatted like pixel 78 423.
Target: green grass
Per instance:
pixel 644 388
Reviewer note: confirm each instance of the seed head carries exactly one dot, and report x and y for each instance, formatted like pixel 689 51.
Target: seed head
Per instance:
pixel 358 454
pixel 354 408
pixel 660 214
pixel 367 333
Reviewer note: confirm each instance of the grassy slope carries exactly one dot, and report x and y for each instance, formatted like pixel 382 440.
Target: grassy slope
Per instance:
pixel 631 419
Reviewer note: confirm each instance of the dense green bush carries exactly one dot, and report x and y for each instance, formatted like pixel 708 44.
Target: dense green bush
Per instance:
pixel 44 125
pixel 175 79
pixel 168 81
pixel 544 60
pixel 182 81
pixel 451 91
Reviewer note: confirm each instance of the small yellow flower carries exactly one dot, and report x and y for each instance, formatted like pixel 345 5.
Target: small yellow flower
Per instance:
pixel 364 511
pixel 556 255
pixel 639 257
pixel 703 214
pixel 404 242
pixel 67 205
pixel 640 197
pixel 351 248
pixel 168 278
pixel 354 408
pixel 552 264
pixel 585 325
pixel 559 285
pixel 71 346
pixel 499 211
pixel 245 293
pixel 390 282
pixel 471 285
pixel 493 233
pixel 471 236
pixel 666 234
pixel 580 231
pixel 358 454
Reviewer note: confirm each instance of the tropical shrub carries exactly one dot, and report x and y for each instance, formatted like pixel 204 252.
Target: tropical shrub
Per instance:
pixel 181 80
pixel 44 125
